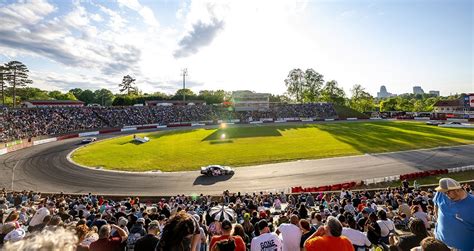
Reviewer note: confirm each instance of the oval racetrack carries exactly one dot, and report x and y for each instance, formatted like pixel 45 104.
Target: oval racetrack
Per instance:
pixel 45 168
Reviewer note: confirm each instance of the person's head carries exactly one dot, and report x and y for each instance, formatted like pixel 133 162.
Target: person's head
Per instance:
pixel 239 230
pixel 178 228
pixel 263 226
pixel 153 227
pixel 226 226
pixel 294 219
pixel 373 217
pixel 81 231
pixel 58 240
pixel 432 244
pixel 417 227
pixel 104 231
pixel 141 221
pixel 333 227
pixel 13 216
pixel 382 215
pixel 451 188
pixel 304 224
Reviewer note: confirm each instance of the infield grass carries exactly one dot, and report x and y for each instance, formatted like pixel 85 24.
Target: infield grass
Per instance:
pixel 189 149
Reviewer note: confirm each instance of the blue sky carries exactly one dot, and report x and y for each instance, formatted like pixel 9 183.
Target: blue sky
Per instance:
pixel 235 45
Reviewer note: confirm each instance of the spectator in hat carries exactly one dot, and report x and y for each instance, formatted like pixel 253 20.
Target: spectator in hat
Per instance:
pixel 150 240
pixel 455 217
pixel 290 234
pixel 329 238
pixel 136 232
pixel 266 240
pixel 226 239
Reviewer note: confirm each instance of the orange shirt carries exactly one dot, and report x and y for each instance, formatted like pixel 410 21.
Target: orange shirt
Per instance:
pixel 239 243
pixel 329 243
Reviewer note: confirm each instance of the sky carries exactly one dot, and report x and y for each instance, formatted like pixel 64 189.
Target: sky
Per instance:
pixel 241 44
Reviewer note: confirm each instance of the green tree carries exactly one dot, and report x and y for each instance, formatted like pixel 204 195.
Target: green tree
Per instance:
pixel 104 97
pixel 295 84
pixel 123 100
pixel 404 104
pixel 388 105
pixel 361 100
pixel 313 81
pixel 331 92
pixel 189 94
pixel 87 96
pixel 279 99
pixel 127 85
pixel 76 92
pixel 17 76
pixel 212 97
pixel 30 93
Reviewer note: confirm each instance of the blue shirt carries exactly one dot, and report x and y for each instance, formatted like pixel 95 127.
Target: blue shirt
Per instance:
pixel 455 225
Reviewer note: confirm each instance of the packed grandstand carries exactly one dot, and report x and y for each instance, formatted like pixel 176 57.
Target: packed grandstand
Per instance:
pixel 28 123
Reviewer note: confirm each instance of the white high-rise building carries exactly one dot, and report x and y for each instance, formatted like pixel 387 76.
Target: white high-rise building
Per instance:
pixel 418 90
pixel 383 92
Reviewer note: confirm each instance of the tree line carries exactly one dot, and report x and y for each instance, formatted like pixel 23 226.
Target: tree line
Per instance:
pixel 301 87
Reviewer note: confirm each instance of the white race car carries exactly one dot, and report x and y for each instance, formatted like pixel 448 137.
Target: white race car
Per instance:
pixel 216 170
pixel 88 140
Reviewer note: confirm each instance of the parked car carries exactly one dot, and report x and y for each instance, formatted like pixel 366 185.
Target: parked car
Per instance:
pixel 216 170
pixel 88 140
pixel 434 123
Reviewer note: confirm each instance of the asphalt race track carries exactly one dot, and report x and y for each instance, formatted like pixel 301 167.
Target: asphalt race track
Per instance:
pixel 45 168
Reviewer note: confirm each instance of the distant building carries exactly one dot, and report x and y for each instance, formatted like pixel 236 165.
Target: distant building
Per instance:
pixel 435 93
pixel 418 90
pixel 458 108
pixel 250 101
pixel 383 93
pixel 51 103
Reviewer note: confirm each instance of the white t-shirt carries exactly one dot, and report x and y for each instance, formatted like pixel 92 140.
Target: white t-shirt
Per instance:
pixel 290 236
pixel 356 237
pixel 266 242
pixel 39 216
pixel 385 227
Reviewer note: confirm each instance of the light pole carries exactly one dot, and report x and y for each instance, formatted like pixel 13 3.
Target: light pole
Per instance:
pixel 185 73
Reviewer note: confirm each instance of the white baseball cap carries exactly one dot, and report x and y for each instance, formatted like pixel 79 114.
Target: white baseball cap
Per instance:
pixel 446 184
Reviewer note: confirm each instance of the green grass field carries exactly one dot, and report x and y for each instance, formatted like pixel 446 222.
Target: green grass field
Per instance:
pixel 190 149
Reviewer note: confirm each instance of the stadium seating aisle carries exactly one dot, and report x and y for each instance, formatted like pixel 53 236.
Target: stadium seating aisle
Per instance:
pixel 71 222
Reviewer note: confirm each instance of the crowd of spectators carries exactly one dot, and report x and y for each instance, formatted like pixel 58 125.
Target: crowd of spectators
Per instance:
pixel 387 219
pixel 28 123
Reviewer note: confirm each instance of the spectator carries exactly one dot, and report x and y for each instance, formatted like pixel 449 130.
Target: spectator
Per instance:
pixel 307 231
pixel 431 244
pixel 107 242
pixel 407 242
pixel 239 231
pixel 290 233
pixel 373 229
pixel 454 210
pixel 266 240
pixel 136 232
pixel 181 232
pixel 226 241
pixel 329 238
pixel 150 240
pixel 386 226
pixel 58 240
pixel 358 239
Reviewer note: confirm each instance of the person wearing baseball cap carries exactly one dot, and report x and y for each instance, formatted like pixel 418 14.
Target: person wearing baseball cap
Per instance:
pixel 454 209
pixel 150 240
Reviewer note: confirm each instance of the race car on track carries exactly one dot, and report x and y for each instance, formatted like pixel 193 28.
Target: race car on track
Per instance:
pixel 434 123
pixel 88 140
pixel 216 170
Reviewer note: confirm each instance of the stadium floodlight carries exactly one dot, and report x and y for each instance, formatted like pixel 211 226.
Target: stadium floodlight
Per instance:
pixel 184 74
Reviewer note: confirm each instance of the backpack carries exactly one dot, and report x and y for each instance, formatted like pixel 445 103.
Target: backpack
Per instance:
pixel 131 240
pixel 225 245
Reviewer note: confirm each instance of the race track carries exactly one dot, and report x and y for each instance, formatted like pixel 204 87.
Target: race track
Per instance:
pixel 45 168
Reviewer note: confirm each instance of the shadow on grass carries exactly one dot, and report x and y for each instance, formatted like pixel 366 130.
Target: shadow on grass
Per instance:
pixel 388 137
pixel 225 141
pixel 210 180
pixel 244 132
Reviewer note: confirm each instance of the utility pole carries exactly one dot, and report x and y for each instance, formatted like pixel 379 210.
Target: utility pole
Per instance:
pixel 185 73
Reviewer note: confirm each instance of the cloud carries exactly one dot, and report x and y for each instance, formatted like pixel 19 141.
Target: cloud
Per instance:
pixel 201 35
pixel 69 39
pixel 145 12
